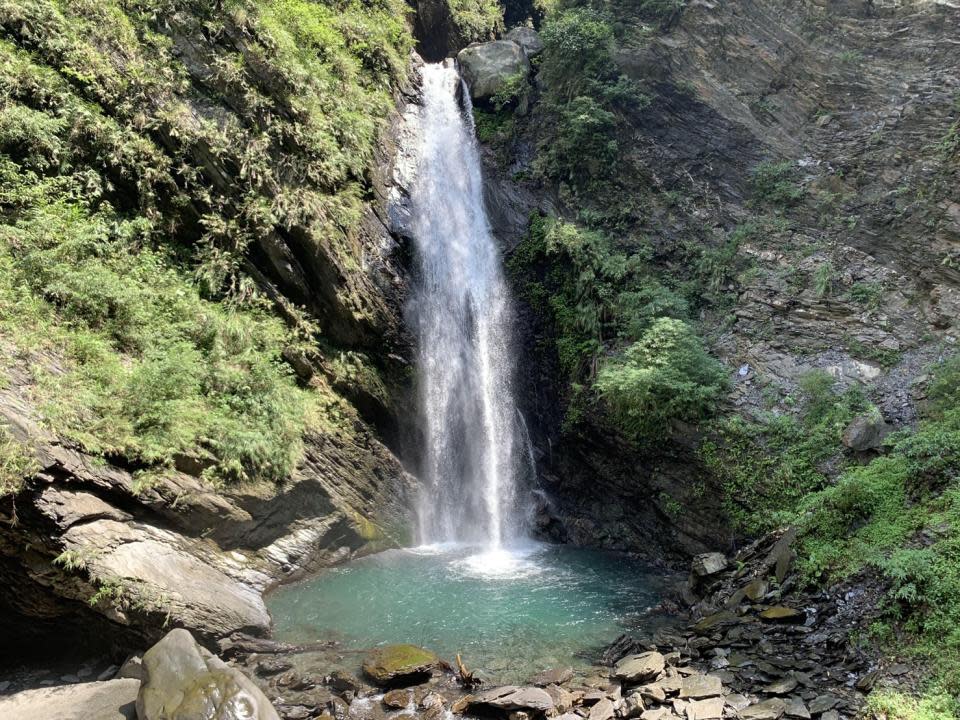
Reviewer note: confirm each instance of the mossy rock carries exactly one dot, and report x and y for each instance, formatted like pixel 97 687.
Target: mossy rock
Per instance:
pixel 399 664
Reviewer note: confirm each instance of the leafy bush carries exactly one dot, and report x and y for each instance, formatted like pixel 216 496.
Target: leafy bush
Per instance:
pixel 577 49
pixel 776 183
pixel 665 376
pixel 585 147
pixel 477 20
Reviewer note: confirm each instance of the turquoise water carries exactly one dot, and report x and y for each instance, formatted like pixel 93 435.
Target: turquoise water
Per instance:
pixel 509 613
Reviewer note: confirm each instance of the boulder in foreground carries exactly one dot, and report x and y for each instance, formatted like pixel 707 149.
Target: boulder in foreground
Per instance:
pixel 183 681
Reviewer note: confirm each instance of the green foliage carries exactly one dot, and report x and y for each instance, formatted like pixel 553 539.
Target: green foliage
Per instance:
pixel 476 20
pixel 868 294
pixel 888 704
pixel 665 376
pixel 599 299
pixel 901 515
pixel 585 147
pixel 16 463
pixel 768 466
pixel 776 183
pixel 127 206
pixel 823 279
pixel 578 50
pixel 513 91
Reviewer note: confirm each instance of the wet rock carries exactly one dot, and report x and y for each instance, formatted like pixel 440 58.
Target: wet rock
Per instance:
pixel 399 664
pixel 766 710
pixel 272 666
pixel 716 620
pixel 555 676
pixel 783 614
pixel 527 38
pixel 700 686
pixel 486 67
pixel 755 589
pixel 398 699
pixel 710 709
pixel 640 668
pixel 182 680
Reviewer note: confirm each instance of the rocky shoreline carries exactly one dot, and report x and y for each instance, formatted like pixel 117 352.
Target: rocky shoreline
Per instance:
pixel 756 646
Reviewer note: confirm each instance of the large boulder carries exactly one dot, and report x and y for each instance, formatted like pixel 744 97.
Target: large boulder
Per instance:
pixel 398 664
pixel 527 38
pixel 865 432
pixel 183 681
pixel 486 67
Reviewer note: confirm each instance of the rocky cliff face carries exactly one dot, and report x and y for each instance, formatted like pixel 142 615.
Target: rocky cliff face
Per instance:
pixel 818 141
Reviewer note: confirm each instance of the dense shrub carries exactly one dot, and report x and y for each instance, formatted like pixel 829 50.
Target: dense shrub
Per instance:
pixel 776 183
pixel 665 376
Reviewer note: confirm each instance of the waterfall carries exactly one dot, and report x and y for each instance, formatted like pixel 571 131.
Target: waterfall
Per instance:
pixel 461 314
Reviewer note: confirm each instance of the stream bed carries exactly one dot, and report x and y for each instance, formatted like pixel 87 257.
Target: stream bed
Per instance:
pixel 510 613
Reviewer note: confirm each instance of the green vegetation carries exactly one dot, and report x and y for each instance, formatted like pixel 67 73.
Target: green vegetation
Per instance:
pixel 776 183
pixel 476 19
pixel 665 376
pixel 128 205
pixel 16 463
pixel 586 97
pixel 619 331
pixel 768 465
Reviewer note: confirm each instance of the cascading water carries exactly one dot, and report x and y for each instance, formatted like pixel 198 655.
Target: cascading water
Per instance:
pixel 461 314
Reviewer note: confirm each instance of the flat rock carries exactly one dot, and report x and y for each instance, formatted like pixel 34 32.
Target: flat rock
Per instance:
pixel 108 700
pixel 511 697
pixel 797 709
pixel 555 676
pixel 710 709
pixel 631 706
pixel 700 686
pixel 716 620
pixel 640 668
pixel 707 564
pixel 782 686
pixel 653 691
pixel 655 714
pixel 603 710
pixel 783 614
pixel 398 664
pixel 182 680
pixel 563 699
pixel 822 703
pixel 755 589
pixel 766 710
pixel 737 701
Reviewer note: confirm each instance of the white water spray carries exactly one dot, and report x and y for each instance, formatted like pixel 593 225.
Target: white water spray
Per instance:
pixel 461 313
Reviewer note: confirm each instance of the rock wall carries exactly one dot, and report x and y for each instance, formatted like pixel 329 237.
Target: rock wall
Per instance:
pixel 857 276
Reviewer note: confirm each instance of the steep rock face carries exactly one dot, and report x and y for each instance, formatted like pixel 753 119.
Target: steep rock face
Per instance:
pixel 855 274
